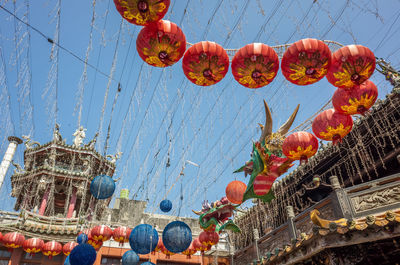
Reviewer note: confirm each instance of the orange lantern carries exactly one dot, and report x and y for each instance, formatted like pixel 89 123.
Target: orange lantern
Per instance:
pixel 13 240
pixel 351 66
pixel 357 100
pixel 205 63
pixel 306 61
pixel 198 246
pixel 52 248
pixel 121 234
pixel 262 184
pixel 161 44
pixel 300 146
pixel 234 191
pixel 101 233
pixel 209 238
pixel 189 251
pixel 33 245
pixel 332 126
pixel 255 65
pixel 142 12
pixel 67 248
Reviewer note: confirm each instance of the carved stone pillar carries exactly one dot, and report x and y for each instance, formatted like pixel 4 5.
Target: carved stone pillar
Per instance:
pixel 291 226
pixel 340 201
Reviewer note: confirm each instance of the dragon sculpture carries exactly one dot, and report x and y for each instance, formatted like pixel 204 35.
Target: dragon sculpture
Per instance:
pixel 267 158
pixel 215 216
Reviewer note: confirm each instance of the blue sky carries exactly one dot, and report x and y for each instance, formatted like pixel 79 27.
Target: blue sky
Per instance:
pixel 211 126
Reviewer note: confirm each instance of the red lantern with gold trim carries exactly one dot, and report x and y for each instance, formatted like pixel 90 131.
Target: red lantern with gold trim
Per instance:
pixel 161 44
pixel 300 146
pixel 262 184
pixel 255 65
pixel 199 246
pixel 205 63
pixel 306 61
pixel 52 248
pixel 357 100
pixel 235 191
pixel 209 238
pixel 33 245
pixel 1 237
pixel 142 12
pixel 13 240
pixel 190 251
pixel 67 248
pixel 351 66
pixel 161 248
pixel 330 125
pixel 121 234
pixel 101 233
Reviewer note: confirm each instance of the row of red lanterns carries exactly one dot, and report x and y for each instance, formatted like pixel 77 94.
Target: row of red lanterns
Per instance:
pixel 101 233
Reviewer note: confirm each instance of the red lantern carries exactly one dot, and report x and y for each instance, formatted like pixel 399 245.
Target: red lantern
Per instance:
pixel 198 246
pixel 67 248
pixel 234 191
pixel 262 184
pixel 306 61
pixel 300 146
pixel 332 126
pixel 205 63
pixel 189 251
pixel 13 240
pixel 255 65
pixel 357 100
pixel 1 237
pixel 33 245
pixel 52 248
pixel 142 12
pixel 209 238
pixel 351 66
pixel 161 44
pixel 121 234
pixel 101 233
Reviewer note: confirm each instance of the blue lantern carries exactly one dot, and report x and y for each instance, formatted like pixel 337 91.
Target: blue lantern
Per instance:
pixel 166 206
pixel 177 236
pixel 130 258
pixel 102 187
pixel 83 254
pixel 66 262
pixel 148 263
pixel 82 239
pixel 143 239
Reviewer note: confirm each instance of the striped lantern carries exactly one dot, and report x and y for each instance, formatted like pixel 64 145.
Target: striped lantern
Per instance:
pixel 33 245
pixel 52 248
pixel 262 184
pixel 13 240
pixel 101 233
pixel 300 146
pixel 209 238
pixel 67 248
pixel 121 234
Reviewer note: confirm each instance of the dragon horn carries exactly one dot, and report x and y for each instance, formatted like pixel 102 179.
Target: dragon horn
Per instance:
pixel 267 129
pixel 286 126
pixel 196 212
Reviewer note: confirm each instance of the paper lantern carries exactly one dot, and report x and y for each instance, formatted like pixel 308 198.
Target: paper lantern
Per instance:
pixel 166 206
pixel 13 240
pixel 130 258
pixel 306 61
pixel 143 239
pixel 262 184
pixel 121 234
pixel 52 248
pixel 142 12
pixel 1 237
pixel 351 66
pixel 83 254
pixel 190 251
pixel 255 65
pixel 102 187
pixel 234 191
pixel 177 236
pixel 199 246
pixel 67 248
pixel 205 63
pixel 82 238
pixel 357 100
pixel 161 248
pixel 332 126
pixel 209 238
pixel 300 146
pixel 101 233
pixel 161 44
pixel 66 262
pixel 148 263
pixel 33 245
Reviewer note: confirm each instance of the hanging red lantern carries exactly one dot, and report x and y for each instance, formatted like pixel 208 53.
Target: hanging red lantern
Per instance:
pixel 351 66
pixel 300 146
pixel 13 240
pixel 1 237
pixel 190 251
pixel 209 238
pixel 161 44
pixel 235 191
pixel 67 248
pixel 262 184
pixel 255 65
pixel 101 233
pixel 121 234
pixel 142 12
pixel 332 126
pixel 165 251
pixel 52 248
pixel 198 246
pixel 306 61
pixel 205 63
pixel 33 245
pixel 357 100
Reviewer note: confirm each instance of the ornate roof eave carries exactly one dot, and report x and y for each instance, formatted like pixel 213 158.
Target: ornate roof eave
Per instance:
pixel 62 173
